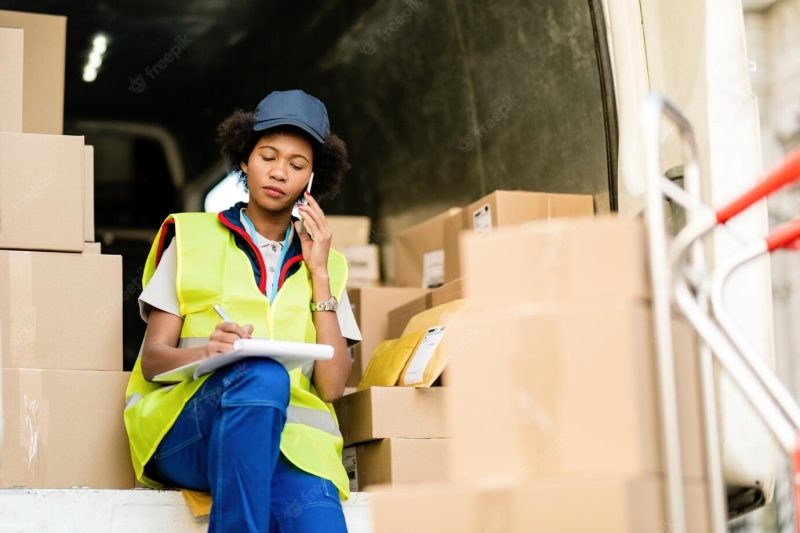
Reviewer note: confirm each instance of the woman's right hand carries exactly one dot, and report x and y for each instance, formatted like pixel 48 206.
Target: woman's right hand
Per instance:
pixel 224 335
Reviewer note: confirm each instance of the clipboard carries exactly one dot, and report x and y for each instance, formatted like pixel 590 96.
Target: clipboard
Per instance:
pixel 290 354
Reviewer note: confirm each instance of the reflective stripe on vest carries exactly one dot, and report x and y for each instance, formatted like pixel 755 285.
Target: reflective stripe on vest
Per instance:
pixel 212 269
pixel 315 418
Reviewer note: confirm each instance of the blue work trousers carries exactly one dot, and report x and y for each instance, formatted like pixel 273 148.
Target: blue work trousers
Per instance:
pixel 227 441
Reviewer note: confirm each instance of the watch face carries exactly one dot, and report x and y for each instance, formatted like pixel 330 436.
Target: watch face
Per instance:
pixel 328 305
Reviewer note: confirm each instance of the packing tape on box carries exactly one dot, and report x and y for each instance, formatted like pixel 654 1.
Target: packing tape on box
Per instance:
pixel 34 413
pixel 22 312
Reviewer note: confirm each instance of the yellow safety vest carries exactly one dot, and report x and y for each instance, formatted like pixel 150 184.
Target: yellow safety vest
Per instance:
pixel 211 269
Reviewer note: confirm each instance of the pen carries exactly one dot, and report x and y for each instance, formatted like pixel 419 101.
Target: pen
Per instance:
pixel 222 313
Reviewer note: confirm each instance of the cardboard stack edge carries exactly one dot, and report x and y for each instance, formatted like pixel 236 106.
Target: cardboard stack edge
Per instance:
pixel 60 298
pixel 351 235
pixel 406 348
pixel 551 398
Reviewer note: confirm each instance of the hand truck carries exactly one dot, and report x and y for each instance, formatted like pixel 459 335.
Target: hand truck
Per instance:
pixel 680 276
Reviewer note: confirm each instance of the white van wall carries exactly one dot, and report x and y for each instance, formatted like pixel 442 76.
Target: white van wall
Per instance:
pixel 693 52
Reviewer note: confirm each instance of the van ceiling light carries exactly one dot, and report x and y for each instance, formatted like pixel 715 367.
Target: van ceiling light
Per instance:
pixel 95 58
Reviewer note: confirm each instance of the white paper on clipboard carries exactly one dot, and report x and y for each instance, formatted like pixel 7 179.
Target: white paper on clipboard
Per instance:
pixel 289 354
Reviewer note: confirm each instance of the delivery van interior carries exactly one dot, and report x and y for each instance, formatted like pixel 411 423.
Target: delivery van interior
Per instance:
pixel 507 378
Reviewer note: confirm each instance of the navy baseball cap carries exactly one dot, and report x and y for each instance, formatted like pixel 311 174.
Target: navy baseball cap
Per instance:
pixel 293 108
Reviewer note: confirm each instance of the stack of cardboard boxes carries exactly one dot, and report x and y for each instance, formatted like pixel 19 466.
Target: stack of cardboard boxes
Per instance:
pixel 393 425
pixel 60 299
pixel 552 402
pixel 351 236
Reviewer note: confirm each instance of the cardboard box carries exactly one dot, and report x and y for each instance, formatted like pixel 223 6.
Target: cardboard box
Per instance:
pixel 92 248
pixel 371 308
pixel 565 389
pixel 387 412
pixel 64 428
pixel 448 292
pixel 41 192
pixel 438 507
pixel 604 505
pixel 400 315
pixel 557 261
pixel 507 208
pixel 363 283
pixel 556 505
pixel 43 69
pixel 419 252
pixel 11 44
pixel 60 310
pixel 393 461
pixel 453 226
pixel 349 231
pixel 88 193
pixel 363 263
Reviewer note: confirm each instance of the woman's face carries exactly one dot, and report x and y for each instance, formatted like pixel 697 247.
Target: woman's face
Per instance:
pixel 278 170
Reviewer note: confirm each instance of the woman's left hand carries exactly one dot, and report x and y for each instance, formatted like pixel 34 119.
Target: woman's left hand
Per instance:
pixel 316 248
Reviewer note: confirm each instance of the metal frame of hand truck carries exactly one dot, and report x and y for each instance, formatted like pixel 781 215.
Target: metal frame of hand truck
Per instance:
pixel 680 276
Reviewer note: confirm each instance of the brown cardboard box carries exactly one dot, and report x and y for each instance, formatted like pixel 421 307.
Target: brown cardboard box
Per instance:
pixel 604 505
pixel 43 69
pixel 507 208
pixel 440 507
pixel 392 461
pixel 386 412
pixel 561 260
pixel 41 192
pixel 363 263
pixel 349 230
pixel 64 428
pixel 453 226
pixel 363 283
pixel 60 310
pixel 554 505
pixel 11 43
pixel 565 389
pixel 448 292
pixel 400 315
pixel 88 193
pixel 419 252
pixel 92 248
pixel 371 308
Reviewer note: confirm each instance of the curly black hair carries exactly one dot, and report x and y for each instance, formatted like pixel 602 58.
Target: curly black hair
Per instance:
pixel 237 140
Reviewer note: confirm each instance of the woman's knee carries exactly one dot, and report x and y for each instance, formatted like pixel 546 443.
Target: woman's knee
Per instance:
pixel 259 378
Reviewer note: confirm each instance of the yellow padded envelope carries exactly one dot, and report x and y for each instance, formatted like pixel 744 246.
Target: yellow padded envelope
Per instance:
pixel 435 316
pixel 388 360
pixel 430 356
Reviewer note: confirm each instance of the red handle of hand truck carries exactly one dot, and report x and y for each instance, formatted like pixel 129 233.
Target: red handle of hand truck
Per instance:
pixel 784 235
pixel 787 172
pixel 796 482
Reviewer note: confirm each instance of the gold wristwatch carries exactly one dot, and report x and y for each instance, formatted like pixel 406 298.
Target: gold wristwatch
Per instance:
pixel 330 304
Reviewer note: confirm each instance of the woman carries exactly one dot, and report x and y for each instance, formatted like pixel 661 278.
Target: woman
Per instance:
pixel 263 441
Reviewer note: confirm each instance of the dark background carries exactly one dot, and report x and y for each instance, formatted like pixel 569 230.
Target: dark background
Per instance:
pixel 440 102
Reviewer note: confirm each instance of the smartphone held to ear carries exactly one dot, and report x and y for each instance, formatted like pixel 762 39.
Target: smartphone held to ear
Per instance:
pixel 302 201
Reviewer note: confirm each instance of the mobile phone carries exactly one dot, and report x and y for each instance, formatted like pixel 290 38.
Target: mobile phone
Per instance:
pixel 302 201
